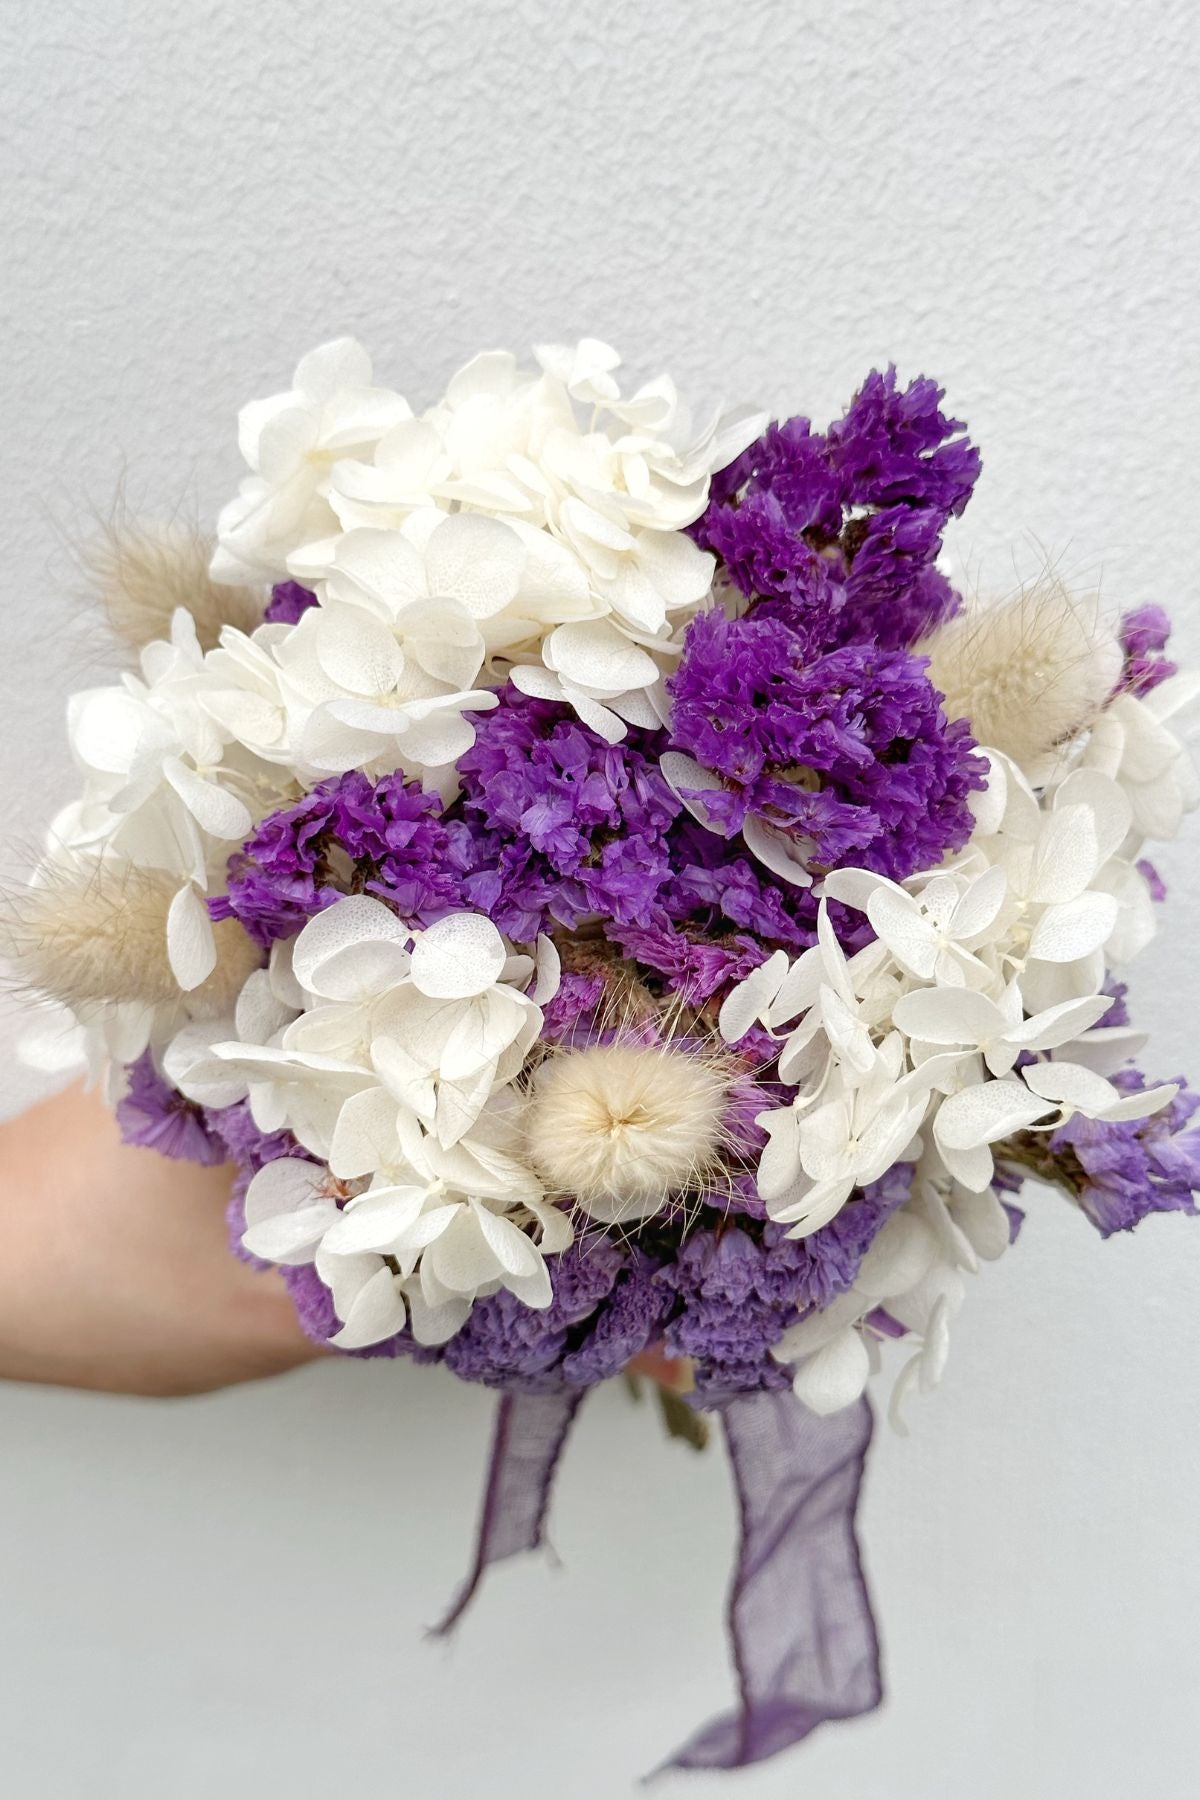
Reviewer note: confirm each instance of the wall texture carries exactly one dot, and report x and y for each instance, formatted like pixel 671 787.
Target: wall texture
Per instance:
pixel 227 1595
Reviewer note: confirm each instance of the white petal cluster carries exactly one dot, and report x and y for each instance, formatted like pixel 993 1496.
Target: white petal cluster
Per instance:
pixel 165 788
pixel 575 568
pixel 390 1055
pixel 974 1014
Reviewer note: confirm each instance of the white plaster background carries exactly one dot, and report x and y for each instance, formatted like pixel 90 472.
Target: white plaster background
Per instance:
pixel 226 1596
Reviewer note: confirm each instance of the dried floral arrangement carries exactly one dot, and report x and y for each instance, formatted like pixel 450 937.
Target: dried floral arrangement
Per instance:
pixel 619 908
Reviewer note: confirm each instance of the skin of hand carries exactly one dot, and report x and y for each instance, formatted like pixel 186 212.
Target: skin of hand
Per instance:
pixel 116 1272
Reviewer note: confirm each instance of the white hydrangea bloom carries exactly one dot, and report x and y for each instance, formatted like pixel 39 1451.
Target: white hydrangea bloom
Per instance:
pixel 434 1231
pixel 371 1023
pixel 975 969
pixel 291 442
pixel 594 489
pixel 164 786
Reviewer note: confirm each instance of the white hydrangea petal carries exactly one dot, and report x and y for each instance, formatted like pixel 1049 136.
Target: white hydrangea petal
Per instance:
pixel 435 1324
pixel 219 813
pixel 377 1312
pixel 748 1002
pixel 1059 1025
pixel 461 1258
pixel 1065 857
pixel 357 651
pixel 1108 1048
pixel 260 1013
pixel 459 956
pixel 897 921
pixel 817 1327
pixel 983 1221
pixel 978 907
pixel 779 851
pixel 191 946
pixel 1110 807
pixel 594 654
pixel 984 1114
pixel 340 363
pixel 1074 928
pixel 477 561
pixel 351 949
pixel 1142 1105
pixel 365 1137
pixel 948 1016
pixel 897 1258
pixel 779 1164
pixel 854 887
pixel 283 1186
pixel 835 1376
pixel 379 1221
pixel 288 1238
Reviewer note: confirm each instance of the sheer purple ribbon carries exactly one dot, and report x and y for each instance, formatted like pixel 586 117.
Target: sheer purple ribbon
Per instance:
pixel 527 1442
pixel 804 1644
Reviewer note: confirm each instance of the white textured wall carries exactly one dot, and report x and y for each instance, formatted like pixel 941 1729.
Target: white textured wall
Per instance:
pixel 225 1596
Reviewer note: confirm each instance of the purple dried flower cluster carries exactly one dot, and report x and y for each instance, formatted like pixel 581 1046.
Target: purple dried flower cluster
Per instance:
pixel 1144 635
pixel 849 749
pixel 156 1116
pixel 567 826
pixel 1127 1170
pixel 289 602
pixel 842 529
pixel 384 838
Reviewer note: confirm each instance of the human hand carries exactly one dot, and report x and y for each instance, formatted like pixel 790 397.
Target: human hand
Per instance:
pixel 116 1273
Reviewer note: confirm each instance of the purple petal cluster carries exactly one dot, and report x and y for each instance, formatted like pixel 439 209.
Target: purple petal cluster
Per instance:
pixel 737 1292
pixel 1130 1169
pixel 349 834
pixel 155 1115
pixel 849 749
pixel 288 603
pixel 1144 635
pixel 605 1310
pixel 568 827
pixel 842 529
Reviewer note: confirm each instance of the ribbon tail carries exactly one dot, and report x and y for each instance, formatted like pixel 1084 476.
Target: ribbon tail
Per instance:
pixel 527 1442
pixel 805 1647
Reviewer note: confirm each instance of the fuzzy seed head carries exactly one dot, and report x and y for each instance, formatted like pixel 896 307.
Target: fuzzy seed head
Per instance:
pixel 92 936
pixel 1028 672
pixel 143 574
pixel 626 1128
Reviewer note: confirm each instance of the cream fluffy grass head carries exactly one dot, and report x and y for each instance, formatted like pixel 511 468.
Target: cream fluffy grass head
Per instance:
pixel 142 574
pixel 627 1128
pixel 1030 671
pixel 91 936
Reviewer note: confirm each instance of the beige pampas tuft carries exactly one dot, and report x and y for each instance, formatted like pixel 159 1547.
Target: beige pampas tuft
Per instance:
pixel 1029 672
pixel 143 574
pixel 625 1128
pixel 90 936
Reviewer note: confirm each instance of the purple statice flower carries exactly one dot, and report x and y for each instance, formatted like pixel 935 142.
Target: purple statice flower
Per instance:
pixel 349 834
pixel 1144 635
pixel 288 603
pixel 604 1312
pixel 157 1116
pixel 850 749
pixel 1129 1169
pixel 716 886
pixel 736 1294
pixel 573 1006
pixel 691 964
pixel 568 825
pixel 843 529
